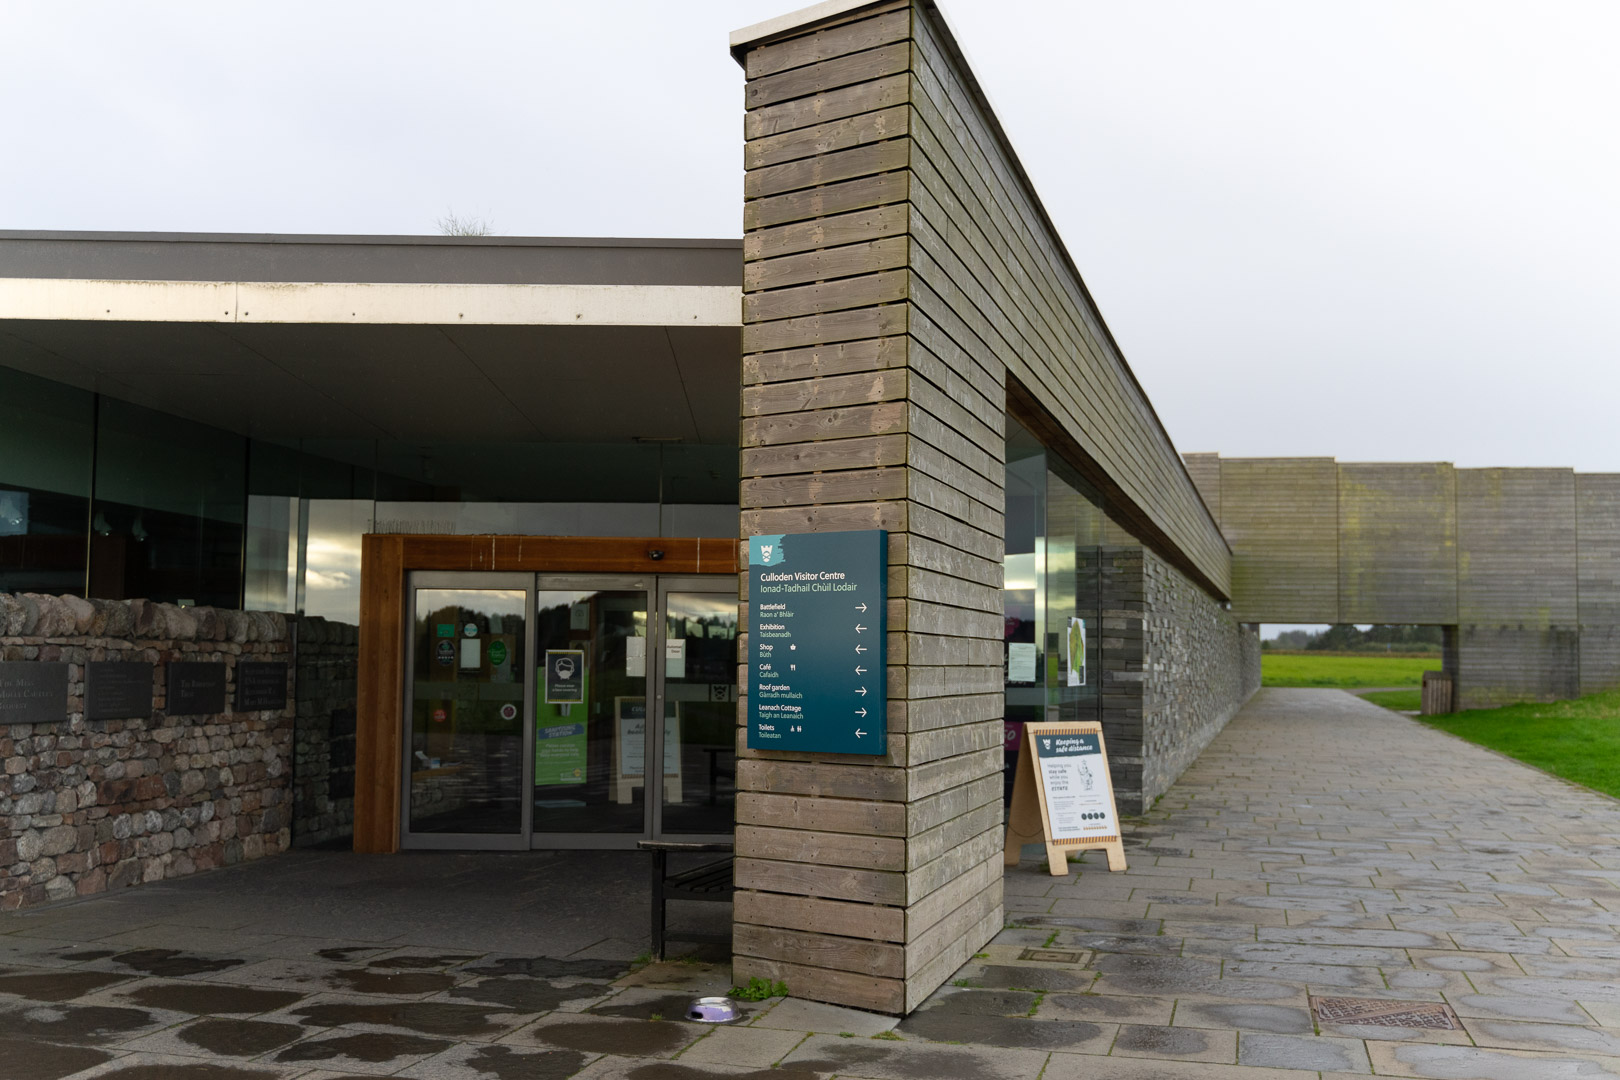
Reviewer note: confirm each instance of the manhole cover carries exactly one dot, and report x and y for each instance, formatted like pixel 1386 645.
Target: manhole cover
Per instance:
pixel 1051 956
pixel 1378 1012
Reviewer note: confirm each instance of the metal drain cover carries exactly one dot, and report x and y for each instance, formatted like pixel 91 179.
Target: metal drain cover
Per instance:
pixel 1051 956
pixel 1380 1012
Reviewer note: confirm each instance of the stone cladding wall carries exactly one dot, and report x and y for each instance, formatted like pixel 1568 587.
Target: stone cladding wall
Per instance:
pixel 327 671
pixel 93 805
pixel 1121 658
pixel 1176 666
pixel 1199 666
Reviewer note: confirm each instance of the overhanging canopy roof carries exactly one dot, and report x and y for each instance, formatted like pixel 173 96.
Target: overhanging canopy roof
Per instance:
pixel 498 339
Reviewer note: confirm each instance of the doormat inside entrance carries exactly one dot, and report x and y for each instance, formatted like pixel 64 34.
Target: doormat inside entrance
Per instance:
pixel 1380 1012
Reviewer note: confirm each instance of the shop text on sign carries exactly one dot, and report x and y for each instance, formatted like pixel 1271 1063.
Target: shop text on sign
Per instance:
pixel 816 650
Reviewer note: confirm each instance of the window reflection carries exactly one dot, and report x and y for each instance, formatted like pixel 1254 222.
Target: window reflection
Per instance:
pixel 45 439
pixel 1052 569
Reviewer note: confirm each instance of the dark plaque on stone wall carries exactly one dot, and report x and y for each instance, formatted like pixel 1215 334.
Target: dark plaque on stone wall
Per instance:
pixel 117 690
pixel 260 687
pixel 196 688
pixel 33 693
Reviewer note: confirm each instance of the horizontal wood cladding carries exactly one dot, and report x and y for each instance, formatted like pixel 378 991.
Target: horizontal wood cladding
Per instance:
pixel 1281 516
pixel 851 419
pixel 862 817
pixel 1501 665
pixel 808 207
pixel 888 23
pixel 822 361
pixel 993 276
pixel 829 137
pixel 819 915
pixel 1205 470
pixel 853 988
pixel 859 161
pixel 1516 540
pixel 823 330
pixel 776 120
pixel 835 233
pixel 1398 543
pixel 828 392
pixel 799 844
pixel 1597 511
pixel 837 952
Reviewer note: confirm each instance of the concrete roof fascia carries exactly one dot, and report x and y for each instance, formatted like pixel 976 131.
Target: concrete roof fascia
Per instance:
pixel 742 40
pixel 140 256
pixel 372 239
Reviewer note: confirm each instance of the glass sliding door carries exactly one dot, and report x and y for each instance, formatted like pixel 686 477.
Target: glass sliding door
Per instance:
pixel 464 740
pixel 699 691
pixel 569 710
pixel 594 677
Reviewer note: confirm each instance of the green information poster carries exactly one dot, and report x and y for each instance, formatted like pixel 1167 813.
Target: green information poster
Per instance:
pixel 559 740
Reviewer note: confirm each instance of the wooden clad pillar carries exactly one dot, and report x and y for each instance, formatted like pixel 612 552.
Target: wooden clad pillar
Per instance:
pixel 867 881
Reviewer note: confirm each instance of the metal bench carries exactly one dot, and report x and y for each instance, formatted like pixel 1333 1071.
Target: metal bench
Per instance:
pixel 711 883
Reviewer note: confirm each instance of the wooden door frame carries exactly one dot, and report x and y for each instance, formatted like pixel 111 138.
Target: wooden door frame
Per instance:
pixel 386 561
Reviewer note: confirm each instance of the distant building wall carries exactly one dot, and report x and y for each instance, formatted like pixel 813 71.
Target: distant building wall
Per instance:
pixel 1525 563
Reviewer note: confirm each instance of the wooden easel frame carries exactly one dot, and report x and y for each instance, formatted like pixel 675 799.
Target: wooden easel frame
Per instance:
pixel 1027 818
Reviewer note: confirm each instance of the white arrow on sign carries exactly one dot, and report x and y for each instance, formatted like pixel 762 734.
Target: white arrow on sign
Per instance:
pixel 859 733
pixel 861 691
pixel 859 628
pixel 860 713
pixel 860 607
pixel 859 670
pixel 860 648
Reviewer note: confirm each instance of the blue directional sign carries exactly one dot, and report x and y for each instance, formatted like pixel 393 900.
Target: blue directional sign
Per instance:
pixel 816 656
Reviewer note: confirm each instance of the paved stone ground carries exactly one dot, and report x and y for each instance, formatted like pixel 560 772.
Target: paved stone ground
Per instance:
pixel 1322 847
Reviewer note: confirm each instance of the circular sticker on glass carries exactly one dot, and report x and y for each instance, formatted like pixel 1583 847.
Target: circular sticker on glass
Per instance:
pixel 508 711
pixel 440 716
pixel 446 653
pixel 497 654
pixel 470 630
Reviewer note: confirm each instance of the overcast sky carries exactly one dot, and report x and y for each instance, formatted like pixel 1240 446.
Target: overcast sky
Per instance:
pixel 1371 230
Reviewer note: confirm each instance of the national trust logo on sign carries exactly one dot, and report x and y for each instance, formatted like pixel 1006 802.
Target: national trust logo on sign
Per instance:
pixel 766 550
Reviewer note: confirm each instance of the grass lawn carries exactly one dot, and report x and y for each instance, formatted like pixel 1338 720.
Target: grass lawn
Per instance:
pixel 1343 671
pixel 1399 700
pixel 1578 740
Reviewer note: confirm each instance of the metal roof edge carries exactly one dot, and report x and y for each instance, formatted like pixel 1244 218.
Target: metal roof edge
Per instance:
pixel 357 239
pixel 781 24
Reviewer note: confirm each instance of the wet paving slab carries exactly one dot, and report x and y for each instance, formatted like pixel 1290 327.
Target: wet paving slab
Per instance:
pixel 26 1059
pixel 365 1051
pixel 1260 880
pixel 56 985
pixel 611 1035
pixel 439 1019
pixel 224 1038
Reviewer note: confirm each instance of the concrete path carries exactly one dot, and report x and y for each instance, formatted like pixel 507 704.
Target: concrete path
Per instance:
pixel 1322 848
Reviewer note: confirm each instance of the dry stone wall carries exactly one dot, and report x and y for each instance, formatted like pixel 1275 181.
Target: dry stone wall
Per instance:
pixel 88 805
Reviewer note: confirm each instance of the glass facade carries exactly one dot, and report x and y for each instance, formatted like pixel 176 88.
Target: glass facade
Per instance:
pixel 100 497
pixel 1052 592
pixel 46 461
